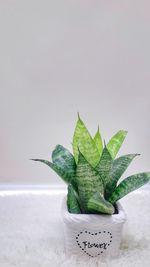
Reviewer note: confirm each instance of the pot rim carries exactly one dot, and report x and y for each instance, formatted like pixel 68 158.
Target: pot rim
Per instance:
pixel 93 218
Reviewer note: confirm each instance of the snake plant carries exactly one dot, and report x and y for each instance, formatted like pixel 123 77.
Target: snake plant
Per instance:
pixel 92 172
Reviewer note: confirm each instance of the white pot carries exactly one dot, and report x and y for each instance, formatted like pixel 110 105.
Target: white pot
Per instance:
pixel 93 235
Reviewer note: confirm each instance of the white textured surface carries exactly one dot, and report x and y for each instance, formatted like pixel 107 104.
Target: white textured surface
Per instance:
pixel 83 229
pixel 31 232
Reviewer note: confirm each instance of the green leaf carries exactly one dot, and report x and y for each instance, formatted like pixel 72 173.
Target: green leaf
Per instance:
pixel 61 172
pixel 65 160
pixel 72 202
pixel 104 166
pixel 88 181
pixel 82 140
pixel 128 185
pixel 116 142
pixel 118 168
pixel 97 204
pixel 98 141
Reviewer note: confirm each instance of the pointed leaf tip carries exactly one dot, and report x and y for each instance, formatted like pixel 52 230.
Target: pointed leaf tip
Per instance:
pixel 104 165
pixel 79 116
pixel 98 141
pixel 85 142
pixel 128 185
pixel 115 142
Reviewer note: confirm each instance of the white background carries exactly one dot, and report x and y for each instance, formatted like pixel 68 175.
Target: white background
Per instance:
pixel 59 57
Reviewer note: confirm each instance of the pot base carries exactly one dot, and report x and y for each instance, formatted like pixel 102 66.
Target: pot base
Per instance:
pixel 93 235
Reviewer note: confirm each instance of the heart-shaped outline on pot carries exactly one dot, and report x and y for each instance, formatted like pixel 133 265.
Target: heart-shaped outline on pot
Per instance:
pixel 94 243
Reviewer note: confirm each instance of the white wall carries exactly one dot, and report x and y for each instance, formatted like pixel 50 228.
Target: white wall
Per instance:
pixel 59 57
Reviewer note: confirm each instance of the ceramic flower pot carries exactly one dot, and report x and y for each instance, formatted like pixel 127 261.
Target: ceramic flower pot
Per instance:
pixel 93 235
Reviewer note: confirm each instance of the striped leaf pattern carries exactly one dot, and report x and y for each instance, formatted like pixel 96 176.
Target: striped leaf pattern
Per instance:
pixel 128 185
pixel 104 166
pixel 65 160
pixel 82 140
pixel 97 204
pixel 116 142
pixel 118 168
pixel 98 141
pixel 88 181
pixel 61 172
pixel 72 202
pixel 92 174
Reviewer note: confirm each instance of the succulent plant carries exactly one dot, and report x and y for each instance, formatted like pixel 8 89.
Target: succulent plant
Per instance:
pixel 92 173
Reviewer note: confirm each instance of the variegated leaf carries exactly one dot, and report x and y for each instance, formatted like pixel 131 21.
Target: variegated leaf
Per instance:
pixel 72 202
pixel 128 185
pixel 104 166
pixel 61 172
pixel 97 204
pixel 118 168
pixel 88 181
pixel 82 140
pixel 115 143
pixel 65 160
pixel 98 141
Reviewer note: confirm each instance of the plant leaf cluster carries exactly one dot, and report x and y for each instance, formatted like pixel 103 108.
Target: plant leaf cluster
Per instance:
pixel 92 172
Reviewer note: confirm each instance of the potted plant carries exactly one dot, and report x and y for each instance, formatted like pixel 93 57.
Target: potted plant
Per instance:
pixel 93 217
